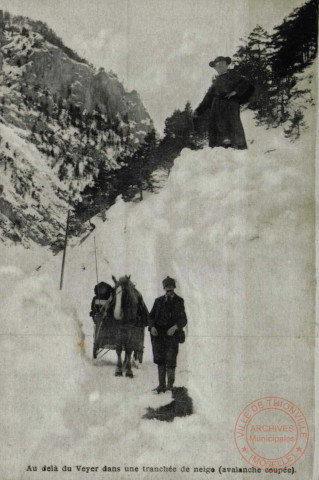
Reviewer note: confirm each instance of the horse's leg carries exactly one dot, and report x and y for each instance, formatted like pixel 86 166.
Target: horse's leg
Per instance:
pixel 125 359
pixel 135 363
pixel 129 372
pixel 118 371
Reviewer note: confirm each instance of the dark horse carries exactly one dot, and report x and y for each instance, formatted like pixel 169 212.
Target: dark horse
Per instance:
pixel 130 312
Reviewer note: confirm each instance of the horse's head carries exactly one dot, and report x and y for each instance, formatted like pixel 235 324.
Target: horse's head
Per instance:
pixel 122 280
pixel 126 299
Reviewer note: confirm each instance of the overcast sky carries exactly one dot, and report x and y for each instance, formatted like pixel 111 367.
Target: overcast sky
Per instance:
pixel 161 48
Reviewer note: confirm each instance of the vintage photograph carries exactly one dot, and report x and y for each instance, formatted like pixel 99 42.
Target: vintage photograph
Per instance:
pixel 158 239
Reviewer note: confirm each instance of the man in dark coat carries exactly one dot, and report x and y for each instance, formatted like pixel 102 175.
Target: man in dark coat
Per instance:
pixel 167 319
pixel 224 98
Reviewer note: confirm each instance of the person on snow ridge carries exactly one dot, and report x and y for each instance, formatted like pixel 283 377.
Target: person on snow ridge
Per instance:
pixel 103 295
pixel 167 319
pixel 227 92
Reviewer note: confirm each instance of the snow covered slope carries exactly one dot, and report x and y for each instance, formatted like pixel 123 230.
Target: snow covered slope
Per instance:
pixel 33 202
pixel 236 230
pixel 61 120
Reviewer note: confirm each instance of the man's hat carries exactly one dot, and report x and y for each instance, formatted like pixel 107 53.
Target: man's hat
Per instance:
pixel 220 59
pixel 169 282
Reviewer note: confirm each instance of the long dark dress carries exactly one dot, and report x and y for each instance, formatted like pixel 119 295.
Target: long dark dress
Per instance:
pixel 225 127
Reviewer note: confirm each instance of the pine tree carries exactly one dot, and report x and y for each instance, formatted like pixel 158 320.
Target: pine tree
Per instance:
pixel 138 168
pixel 252 60
pixel 295 40
pixel 179 126
pixel 295 126
pixel 271 63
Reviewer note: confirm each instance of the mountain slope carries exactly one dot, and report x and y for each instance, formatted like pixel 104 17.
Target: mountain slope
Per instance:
pixel 71 117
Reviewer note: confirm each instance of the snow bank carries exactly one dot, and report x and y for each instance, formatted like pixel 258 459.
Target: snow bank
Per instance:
pixel 236 230
pixel 41 365
pixel 231 226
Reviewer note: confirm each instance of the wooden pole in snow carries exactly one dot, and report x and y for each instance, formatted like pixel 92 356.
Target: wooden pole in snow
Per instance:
pixel 97 273
pixel 64 251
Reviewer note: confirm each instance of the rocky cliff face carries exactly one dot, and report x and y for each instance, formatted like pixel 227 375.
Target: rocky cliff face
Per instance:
pixel 60 121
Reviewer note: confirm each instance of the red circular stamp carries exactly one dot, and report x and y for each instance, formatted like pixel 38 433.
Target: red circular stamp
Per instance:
pixel 271 432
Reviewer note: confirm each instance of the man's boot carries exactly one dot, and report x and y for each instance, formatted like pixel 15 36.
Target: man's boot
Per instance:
pixel 161 378
pixel 170 378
